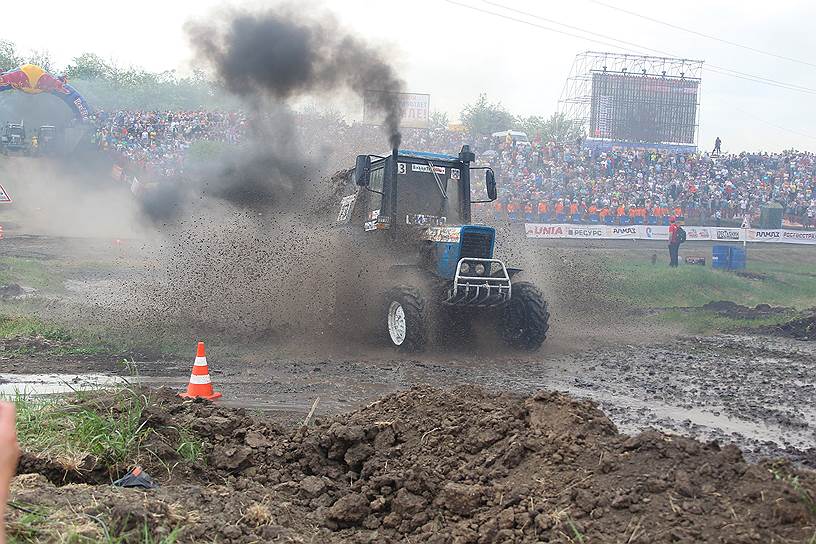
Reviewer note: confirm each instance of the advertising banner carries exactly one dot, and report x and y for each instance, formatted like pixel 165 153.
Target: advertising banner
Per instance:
pixel 649 232
pixel 722 234
pixel 416 109
pixel 797 237
pixel 623 232
pixel 763 235
pixel 575 231
pixel 654 232
pixel 537 230
pixel 696 233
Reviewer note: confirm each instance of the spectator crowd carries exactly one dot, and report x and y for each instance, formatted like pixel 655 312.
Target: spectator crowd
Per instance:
pixel 155 144
pixel 550 182
pixel 538 181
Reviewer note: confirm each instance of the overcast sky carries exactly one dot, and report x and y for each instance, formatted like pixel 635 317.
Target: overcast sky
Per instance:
pixel 454 53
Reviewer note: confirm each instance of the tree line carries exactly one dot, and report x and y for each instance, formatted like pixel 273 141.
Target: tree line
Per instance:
pixel 108 86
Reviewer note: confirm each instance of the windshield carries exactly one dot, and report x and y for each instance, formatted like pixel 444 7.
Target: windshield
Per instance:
pixel 420 199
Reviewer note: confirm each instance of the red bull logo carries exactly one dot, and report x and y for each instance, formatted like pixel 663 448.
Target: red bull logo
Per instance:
pixel 33 80
pixel 51 84
pixel 16 79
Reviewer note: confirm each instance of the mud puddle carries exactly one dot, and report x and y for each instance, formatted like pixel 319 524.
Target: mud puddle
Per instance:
pixel 56 384
pixel 704 423
pixel 52 384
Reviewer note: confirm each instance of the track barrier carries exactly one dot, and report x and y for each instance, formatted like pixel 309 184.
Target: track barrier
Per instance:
pixel 661 232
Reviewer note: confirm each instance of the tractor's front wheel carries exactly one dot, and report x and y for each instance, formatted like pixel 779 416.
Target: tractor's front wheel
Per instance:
pixel 525 320
pixel 406 316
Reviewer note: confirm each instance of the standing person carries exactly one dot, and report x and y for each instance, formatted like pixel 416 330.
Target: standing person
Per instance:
pixel 9 452
pixel 674 242
pixel 717 143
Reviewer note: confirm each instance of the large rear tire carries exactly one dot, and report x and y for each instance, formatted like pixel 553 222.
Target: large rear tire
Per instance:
pixel 525 319
pixel 406 319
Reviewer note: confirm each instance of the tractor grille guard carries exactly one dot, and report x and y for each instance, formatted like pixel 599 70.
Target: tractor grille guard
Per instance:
pixel 491 289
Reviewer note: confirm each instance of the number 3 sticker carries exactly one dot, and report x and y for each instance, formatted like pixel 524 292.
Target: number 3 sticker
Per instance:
pixel 401 168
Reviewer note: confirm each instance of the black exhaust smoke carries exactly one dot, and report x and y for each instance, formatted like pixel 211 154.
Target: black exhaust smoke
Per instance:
pixel 275 53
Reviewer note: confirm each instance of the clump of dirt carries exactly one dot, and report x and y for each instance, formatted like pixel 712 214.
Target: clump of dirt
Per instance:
pixel 751 275
pixel 801 328
pixel 461 465
pixel 727 308
pixel 11 290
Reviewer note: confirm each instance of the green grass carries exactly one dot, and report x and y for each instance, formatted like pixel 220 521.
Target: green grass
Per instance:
pixel 701 322
pixel 14 326
pixel 28 526
pixel 87 340
pixel 109 425
pixel 38 525
pixel 65 341
pixel 112 428
pixel 189 448
pixel 781 474
pixel 641 284
pixel 59 429
pixel 39 274
pixel 579 537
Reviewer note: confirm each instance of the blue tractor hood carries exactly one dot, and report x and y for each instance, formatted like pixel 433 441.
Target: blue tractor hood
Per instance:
pixel 452 243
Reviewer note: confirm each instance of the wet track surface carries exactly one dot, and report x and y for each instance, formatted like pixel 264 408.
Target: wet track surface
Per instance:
pixel 758 392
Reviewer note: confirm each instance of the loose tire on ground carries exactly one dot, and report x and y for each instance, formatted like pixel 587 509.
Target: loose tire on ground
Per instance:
pixel 525 319
pixel 406 318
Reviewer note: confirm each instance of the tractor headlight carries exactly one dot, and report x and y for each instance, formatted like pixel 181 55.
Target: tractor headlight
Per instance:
pixel 465 268
pixel 480 269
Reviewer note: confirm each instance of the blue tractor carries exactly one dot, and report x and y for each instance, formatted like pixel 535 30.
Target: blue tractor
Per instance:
pixel 410 214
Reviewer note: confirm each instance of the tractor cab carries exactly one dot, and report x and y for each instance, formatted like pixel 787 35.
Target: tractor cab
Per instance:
pixel 410 190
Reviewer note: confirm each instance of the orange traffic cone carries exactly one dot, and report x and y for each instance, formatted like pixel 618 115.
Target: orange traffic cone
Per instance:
pixel 200 385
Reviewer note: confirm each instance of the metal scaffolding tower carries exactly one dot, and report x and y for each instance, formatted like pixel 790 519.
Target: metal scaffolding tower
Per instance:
pixel 576 97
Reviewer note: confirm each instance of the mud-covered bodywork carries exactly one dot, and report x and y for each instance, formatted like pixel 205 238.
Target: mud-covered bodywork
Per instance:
pixel 413 246
pixel 421 202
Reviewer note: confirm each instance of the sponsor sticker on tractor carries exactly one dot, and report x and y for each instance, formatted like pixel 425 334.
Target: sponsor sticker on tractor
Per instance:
pixel 442 234
pixel 346 205
pixel 425 168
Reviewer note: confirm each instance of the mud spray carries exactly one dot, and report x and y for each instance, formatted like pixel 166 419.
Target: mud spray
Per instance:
pixel 251 252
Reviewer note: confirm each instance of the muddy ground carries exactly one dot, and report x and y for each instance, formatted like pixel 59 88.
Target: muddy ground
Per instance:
pixel 426 465
pixel 755 391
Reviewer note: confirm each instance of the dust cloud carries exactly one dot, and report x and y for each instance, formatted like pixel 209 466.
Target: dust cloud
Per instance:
pixel 250 250
pixel 53 199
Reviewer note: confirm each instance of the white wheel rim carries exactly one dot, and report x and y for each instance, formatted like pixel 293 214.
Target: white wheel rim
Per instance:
pixel 396 323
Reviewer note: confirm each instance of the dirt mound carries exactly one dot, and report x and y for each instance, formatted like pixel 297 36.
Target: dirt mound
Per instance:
pixel 460 465
pixel 800 328
pixel 11 290
pixel 726 308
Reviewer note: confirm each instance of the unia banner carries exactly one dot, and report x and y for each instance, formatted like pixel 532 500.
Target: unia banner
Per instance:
pixel 660 232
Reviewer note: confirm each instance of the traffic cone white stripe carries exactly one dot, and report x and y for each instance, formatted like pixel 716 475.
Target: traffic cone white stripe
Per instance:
pixel 200 380
pixel 200 361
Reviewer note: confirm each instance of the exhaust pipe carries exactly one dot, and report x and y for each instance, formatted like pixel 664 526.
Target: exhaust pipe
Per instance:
pixel 394 192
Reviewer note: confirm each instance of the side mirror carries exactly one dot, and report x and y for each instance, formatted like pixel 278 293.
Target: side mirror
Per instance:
pixel 490 181
pixel 362 170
